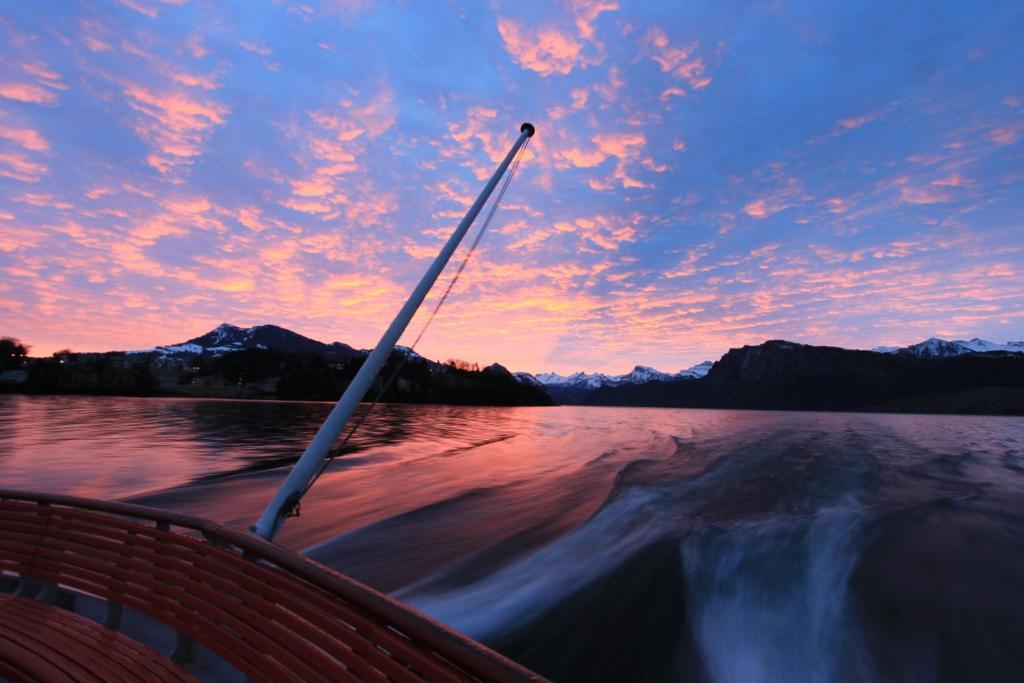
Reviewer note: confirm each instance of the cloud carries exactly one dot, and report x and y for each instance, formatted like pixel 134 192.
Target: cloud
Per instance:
pixel 176 124
pixel 587 11
pixel 192 205
pixel 678 61
pixel 546 51
pixel 195 80
pixel 922 195
pixel 1006 135
pixel 27 92
pixel 17 166
pixel 757 209
pixel 312 187
pixel 621 145
pixel 258 47
pixel 583 158
pixel 25 137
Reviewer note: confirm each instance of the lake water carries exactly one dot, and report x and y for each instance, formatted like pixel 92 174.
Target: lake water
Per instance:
pixel 611 543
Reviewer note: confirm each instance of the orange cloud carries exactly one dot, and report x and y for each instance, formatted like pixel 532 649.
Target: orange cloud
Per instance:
pixel 546 51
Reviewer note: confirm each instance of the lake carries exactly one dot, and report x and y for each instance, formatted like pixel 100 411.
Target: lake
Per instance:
pixel 610 543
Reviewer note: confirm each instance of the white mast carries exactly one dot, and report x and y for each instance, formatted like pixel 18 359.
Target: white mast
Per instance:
pixel 287 497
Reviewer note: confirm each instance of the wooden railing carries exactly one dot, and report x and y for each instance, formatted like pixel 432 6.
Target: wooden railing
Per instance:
pixel 268 612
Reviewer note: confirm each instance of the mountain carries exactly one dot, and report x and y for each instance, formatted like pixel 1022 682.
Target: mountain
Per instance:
pixel 267 361
pixel 575 387
pixel 226 338
pixel 941 348
pixel 785 375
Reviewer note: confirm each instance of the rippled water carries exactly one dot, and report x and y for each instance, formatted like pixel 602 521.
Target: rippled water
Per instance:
pixel 612 544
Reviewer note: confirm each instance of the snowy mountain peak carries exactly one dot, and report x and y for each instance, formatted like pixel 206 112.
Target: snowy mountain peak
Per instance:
pixel 697 371
pixel 639 375
pixel 226 338
pixel 942 348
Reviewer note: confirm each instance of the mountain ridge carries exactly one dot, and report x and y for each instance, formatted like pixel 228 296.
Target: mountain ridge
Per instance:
pixel 783 375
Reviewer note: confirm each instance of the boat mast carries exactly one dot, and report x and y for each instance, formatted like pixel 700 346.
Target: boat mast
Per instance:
pixel 298 480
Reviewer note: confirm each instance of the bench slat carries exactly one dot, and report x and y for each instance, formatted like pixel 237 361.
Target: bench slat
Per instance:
pixel 271 614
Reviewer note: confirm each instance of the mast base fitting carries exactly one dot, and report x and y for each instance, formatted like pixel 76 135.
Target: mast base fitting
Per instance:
pixel 528 129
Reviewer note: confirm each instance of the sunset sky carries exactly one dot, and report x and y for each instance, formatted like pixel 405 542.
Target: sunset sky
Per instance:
pixel 705 174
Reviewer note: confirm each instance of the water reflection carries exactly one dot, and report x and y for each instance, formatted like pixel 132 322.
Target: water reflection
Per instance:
pixel 603 543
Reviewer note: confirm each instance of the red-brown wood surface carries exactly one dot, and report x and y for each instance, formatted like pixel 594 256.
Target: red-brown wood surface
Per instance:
pixel 40 642
pixel 270 613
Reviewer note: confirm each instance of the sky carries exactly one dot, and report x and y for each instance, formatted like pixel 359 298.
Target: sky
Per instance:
pixel 705 174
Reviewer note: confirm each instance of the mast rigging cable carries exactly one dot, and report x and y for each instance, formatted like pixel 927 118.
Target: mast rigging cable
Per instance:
pixel 338 450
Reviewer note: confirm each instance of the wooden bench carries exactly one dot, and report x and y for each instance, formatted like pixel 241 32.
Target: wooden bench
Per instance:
pixel 271 614
pixel 40 642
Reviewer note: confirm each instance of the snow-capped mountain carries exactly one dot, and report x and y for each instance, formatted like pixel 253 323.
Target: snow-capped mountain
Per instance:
pixel 572 388
pixel 526 378
pixel 942 348
pixel 226 338
pixel 576 379
pixel 639 375
pixel 697 371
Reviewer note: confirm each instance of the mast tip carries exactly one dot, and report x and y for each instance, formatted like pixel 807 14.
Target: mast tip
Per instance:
pixel 528 129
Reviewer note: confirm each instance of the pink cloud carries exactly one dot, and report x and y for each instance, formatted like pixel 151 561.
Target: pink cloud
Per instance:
pixel 191 205
pixel 922 195
pixel 314 207
pixel 621 145
pixel 312 187
pixel 17 166
pixel 678 61
pixel 40 70
pixel 195 46
pixel 258 47
pixel 195 80
pixel 757 209
pixel 579 97
pixel 587 11
pixel 583 158
pixel 857 122
pixel 25 137
pixel 27 92
pixel 175 123
pixel 98 192
pixel 546 51
pixel 1006 135
pixel 952 180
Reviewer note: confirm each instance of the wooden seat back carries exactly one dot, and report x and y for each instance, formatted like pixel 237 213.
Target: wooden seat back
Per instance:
pixel 272 614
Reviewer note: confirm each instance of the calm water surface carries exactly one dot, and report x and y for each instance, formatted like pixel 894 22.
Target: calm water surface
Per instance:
pixel 611 544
